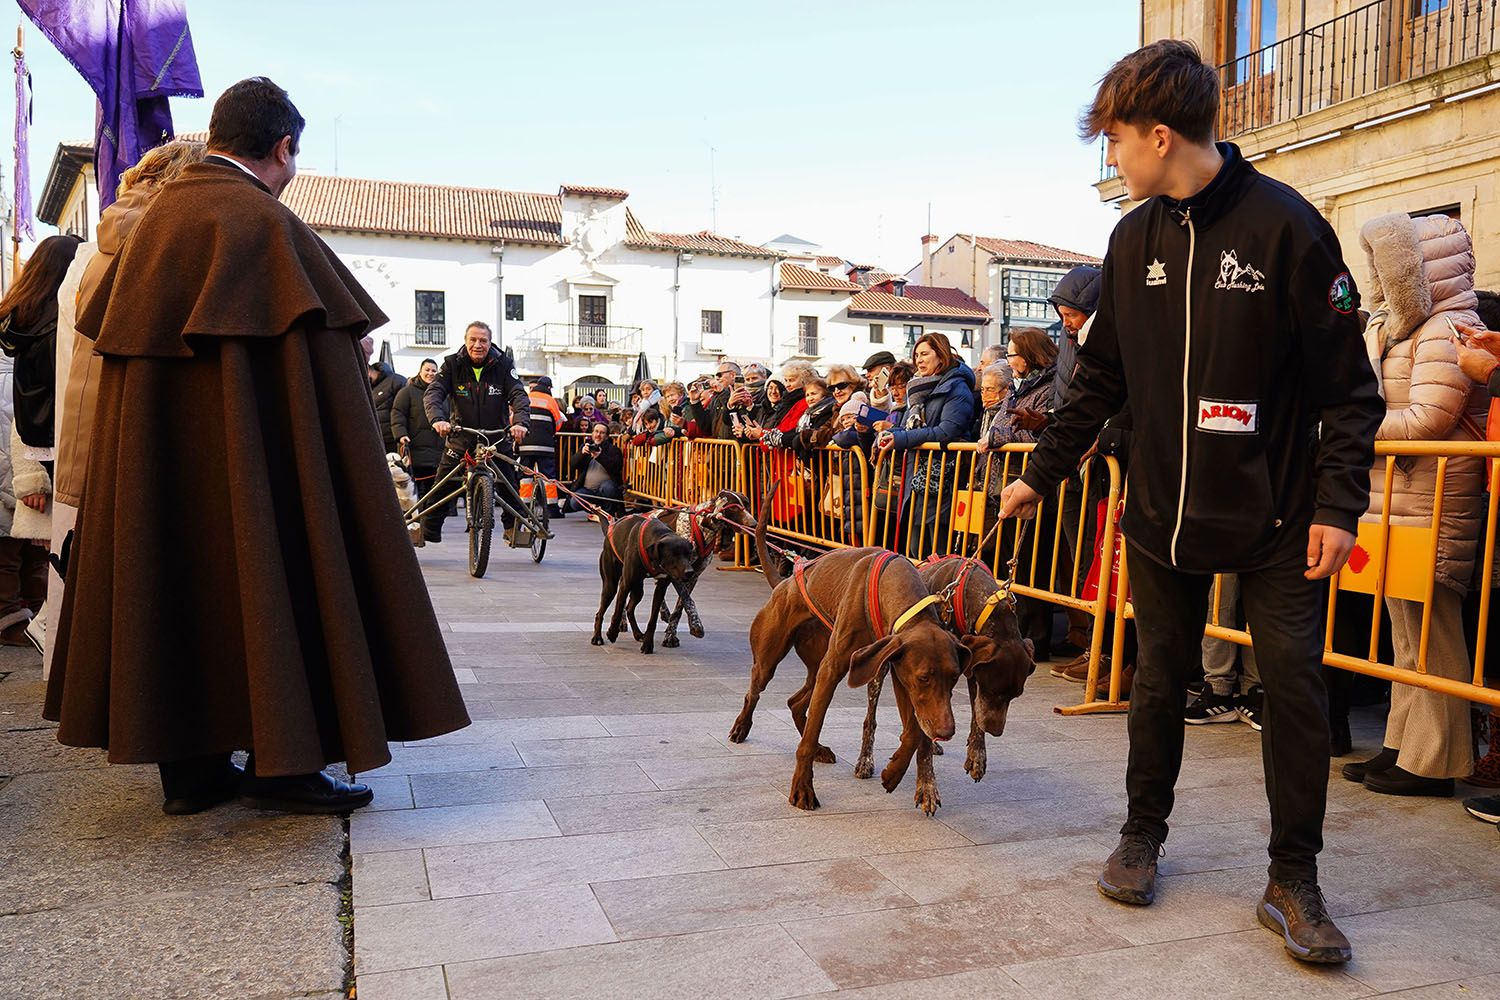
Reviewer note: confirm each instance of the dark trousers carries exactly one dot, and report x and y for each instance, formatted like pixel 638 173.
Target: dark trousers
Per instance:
pixel 422 478
pixel 183 778
pixel 1171 608
pixel 432 522
pixel 23 577
pixel 607 496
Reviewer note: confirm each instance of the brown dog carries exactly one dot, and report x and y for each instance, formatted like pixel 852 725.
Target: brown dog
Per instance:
pixel 853 612
pixel 638 548
pixel 984 619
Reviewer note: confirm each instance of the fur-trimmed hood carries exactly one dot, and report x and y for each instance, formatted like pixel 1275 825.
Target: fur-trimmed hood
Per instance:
pixel 1419 267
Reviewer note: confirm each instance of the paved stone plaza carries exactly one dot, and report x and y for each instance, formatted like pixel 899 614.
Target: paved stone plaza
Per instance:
pixel 594 835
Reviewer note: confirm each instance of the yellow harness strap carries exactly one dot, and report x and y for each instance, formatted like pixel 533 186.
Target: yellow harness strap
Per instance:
pixel 990 604
pixel 913 611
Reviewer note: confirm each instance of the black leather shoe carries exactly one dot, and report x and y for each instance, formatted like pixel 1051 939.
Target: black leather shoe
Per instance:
pixel 432 537
pixel 1360 770
pixel 304 793
pixel 1395 781
pixel 195 799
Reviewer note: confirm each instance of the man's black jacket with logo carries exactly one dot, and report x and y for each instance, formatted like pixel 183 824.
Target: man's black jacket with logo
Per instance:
pixel 1228 321
pixel 482 403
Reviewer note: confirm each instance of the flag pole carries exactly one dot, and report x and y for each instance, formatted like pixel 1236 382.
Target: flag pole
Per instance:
pixel 15 231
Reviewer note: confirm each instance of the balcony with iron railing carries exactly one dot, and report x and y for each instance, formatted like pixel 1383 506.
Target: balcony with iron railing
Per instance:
pixel 585 338
pixel 1364 53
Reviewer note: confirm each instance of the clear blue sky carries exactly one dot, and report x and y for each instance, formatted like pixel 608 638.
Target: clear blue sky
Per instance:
pixel 837 122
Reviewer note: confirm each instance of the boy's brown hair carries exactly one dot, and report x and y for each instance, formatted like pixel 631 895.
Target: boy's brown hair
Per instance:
pixel 1166 82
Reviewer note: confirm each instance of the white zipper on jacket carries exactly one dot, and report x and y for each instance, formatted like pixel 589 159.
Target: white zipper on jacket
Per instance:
pixel 1187 354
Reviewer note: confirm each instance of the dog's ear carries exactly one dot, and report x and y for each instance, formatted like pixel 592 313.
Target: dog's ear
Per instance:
pixel 1030 655
pixel 866 661
pixel 965 659
pixel 981 648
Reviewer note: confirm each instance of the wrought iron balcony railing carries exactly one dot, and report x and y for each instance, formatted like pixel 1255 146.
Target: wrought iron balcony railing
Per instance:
pixel 1365 50
pixel 586 338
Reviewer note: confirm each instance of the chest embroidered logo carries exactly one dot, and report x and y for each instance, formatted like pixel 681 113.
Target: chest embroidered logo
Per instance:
pixel 1236 276
pixel 1217 416
pixel 1341 293
pixel 1156 273
pixel 493 390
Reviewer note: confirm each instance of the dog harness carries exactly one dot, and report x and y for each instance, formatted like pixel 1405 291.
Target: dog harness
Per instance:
pixel 958 587
pixel 872 597
pixel 645 558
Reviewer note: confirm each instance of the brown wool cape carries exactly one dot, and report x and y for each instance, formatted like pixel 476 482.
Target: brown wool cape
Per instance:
pixel 240 578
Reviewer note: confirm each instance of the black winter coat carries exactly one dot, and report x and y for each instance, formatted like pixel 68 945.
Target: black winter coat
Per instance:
pixel 495 401
pixel 1227 320
pixel 383 395
pixel 35 351
pixel 409 419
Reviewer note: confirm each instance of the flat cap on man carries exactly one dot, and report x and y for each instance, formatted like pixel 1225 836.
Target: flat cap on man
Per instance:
pixel 879 358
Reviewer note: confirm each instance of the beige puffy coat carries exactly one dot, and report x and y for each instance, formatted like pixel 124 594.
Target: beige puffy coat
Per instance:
pixel 1424 276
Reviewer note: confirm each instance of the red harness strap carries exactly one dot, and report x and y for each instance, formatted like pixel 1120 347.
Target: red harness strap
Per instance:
pixel 645 559
pixel 872 595
pixel 609 536
pixel 797 568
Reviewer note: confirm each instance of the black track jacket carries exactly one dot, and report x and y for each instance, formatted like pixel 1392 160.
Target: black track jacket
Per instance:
pixel 482 403
pixel 1227 320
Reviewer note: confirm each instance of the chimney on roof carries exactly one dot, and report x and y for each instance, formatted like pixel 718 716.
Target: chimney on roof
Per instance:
pixel 929 245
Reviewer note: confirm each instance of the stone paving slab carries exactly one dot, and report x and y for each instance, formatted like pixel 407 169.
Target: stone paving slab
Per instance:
pixel 600 798
pixel 101 895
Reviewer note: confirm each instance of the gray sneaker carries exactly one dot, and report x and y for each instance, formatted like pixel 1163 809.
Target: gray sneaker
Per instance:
pixel 1130 873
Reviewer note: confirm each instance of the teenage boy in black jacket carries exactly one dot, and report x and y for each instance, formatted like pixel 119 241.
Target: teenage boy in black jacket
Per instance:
pixel 1227 319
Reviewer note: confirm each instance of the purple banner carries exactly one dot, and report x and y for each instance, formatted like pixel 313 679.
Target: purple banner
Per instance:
pixel 25 215
pixel 133 54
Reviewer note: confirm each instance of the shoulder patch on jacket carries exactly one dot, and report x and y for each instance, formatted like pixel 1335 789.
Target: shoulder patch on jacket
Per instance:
pixel 1341 294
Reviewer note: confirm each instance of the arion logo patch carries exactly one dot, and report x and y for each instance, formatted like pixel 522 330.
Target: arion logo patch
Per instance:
pixel 1218 416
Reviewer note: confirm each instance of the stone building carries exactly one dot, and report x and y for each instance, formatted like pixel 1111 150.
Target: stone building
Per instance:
pixel 1365 108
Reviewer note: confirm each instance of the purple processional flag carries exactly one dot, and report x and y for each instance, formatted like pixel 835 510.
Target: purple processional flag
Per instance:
pixel 134 54
pixel 25 220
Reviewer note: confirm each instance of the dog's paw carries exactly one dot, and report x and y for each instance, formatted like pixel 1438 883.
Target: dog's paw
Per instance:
pixel 823 755
pixel 975 765
pixel 864 767
pixel 671 642
pixel 937 749
pixel 739 730
pixel 802 796
pixel 926 797
pixel 597 640
pixel 696 630
pixel 648 647
pixel 891 777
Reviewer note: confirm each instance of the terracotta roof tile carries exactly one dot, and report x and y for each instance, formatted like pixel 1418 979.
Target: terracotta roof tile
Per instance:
pixel 701 242
pixel 457 213
pixel 464 213
pixel 1027 250
pixel 797 278
pixel 590 191
pixel 873 303
pixel 956 298
pixel 825 260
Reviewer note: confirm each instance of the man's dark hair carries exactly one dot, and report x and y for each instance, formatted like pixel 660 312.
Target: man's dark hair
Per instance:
pixel 1165 83
pixel 250 118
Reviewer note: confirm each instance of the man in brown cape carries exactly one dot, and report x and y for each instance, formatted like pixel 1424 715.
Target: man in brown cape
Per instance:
pixel 240 578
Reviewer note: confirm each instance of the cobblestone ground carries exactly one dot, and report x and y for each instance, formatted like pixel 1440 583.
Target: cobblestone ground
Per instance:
pixel 594 834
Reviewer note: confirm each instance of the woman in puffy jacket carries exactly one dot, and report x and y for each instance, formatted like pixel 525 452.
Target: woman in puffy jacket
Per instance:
pixel 940 409
pixel 1424 285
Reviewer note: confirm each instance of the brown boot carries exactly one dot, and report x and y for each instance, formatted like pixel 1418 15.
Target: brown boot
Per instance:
pixel 1101 693
pixel 1080 661
pixel 1130 873
pixel 1296 910
pixel 1078 670
pixel 1487 768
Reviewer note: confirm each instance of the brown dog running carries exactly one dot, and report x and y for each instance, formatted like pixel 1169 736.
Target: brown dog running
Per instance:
pixel 853 612
pixel 638 548
pixel 985 621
